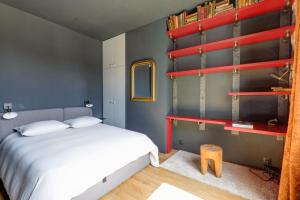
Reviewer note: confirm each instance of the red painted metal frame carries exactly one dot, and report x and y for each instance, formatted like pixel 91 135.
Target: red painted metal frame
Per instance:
pixel 269 93
pixel 237 41
pixel 230 68
pixel 259 128
pixel 229 17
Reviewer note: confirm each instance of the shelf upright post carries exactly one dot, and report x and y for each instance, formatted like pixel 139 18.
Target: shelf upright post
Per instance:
pixel 175 87
pixel 202 78
pixel 284 52
pixel 236 72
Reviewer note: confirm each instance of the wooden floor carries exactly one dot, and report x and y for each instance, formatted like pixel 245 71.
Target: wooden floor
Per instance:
pixel 143 184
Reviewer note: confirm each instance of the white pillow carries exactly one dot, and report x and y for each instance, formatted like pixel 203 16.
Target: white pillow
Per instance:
pixel 84 121
pixel 41 127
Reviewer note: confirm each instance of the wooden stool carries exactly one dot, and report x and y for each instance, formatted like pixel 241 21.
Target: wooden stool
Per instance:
pixel 213 153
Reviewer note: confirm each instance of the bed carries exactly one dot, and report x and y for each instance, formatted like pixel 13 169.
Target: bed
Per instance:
pixel 83 163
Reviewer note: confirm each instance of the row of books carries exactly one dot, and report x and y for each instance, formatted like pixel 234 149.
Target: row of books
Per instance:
pixel 206 10
pixel 243 3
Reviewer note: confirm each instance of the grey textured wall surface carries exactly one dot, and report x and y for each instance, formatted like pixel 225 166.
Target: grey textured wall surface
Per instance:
pixel 149 42
pixel 248 149
pixel 44 65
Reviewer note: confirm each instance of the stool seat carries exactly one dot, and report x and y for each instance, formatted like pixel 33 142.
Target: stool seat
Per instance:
pixel 213 153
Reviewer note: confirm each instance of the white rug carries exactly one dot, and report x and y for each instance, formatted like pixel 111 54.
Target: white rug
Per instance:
pixel 235 179
pixel 169 192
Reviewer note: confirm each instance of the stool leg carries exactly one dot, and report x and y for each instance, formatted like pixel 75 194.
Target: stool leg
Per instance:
pixel 218 167
pixel 212 165
pixel 204 164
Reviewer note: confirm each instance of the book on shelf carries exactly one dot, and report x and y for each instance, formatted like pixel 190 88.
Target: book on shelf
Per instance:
pixel 243 3
pixel 223 9
pixel 242 124
pixel 206 10
pixel 191 18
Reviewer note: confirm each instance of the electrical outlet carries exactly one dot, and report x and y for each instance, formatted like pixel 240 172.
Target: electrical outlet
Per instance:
pixel 180 142
pixel 267 161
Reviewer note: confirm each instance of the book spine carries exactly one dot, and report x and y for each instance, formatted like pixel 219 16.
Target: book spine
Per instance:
pixel 202 12
pixel 199 12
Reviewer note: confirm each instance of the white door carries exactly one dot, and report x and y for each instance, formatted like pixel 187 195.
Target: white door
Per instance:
pixel 119 96
pixel 108 88
pixel 114 81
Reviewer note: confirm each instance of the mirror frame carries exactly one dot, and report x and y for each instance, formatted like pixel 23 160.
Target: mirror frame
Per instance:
pixel 153 81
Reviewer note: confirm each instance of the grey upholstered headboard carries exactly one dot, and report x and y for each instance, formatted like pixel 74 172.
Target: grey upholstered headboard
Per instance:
pixel 25 117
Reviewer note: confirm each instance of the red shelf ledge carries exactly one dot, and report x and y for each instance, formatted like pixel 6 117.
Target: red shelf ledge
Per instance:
pixel 234 42
pixel 229 17
pixel 230 68
pixel 258 128
pixel 269 93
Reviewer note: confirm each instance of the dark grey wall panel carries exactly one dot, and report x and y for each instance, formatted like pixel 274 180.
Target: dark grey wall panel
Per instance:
pixel 247 149
pixel 149 42
pixel 44 65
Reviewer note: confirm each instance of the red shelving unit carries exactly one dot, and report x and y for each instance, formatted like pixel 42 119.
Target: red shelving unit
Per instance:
pixel 259 128
pixel 269 93
pixel 232 42
pixel 230 68
pixel 229 17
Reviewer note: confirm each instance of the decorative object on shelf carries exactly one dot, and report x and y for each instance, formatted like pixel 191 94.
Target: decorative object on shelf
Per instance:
pixel 281 77
pixel 281 89
pixel 143 81
pixel 88 104
pixel 8 114
pixel 273 122
pixel 214 154
pixel 242 124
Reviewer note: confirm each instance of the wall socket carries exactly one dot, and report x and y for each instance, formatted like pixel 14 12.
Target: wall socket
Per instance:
pixel 267 161
pixel 180 142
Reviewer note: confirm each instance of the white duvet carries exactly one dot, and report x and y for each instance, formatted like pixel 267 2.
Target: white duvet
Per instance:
pixel 62 165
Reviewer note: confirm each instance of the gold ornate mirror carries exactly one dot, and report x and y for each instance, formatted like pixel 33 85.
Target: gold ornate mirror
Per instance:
pixel 143 81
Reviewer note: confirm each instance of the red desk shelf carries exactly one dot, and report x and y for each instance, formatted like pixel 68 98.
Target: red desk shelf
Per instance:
pixel 229 17
pixel 259 128
pixel 232 42
pixel 230 68
pixel 269 93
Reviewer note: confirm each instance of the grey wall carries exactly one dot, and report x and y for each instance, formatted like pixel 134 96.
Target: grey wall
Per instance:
pixel 44 65
pixel 149 42
pixel 249 149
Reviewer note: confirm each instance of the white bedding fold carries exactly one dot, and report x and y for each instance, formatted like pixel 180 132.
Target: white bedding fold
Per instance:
pixel 62 165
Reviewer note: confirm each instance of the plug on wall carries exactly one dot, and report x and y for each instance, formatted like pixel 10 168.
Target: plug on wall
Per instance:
pixel 267 161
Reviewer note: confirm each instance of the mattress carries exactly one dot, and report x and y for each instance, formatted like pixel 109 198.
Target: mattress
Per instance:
pixel 64 164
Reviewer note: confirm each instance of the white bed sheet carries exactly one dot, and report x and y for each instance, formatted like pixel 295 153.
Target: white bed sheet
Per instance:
pixel 62 165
